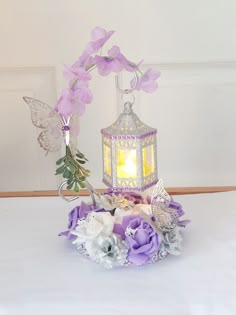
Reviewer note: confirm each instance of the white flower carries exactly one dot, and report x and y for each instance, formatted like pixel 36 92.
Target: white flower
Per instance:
pixel 108 251
pixel 172 241
pixel 96 223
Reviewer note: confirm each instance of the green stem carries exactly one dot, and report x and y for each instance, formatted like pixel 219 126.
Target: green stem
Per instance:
pixel 140 71
pixel 91 67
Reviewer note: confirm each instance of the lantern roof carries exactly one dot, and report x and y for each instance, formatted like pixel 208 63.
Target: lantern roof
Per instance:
pixel 128 125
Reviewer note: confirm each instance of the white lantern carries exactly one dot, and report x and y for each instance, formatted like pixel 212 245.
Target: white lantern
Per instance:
pixel 129 153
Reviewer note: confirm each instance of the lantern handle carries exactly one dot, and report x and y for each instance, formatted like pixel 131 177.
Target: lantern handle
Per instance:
pixel 89 187
pixel 127 91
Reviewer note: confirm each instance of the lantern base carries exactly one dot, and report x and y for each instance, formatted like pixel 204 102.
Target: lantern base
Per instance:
pixel 122 189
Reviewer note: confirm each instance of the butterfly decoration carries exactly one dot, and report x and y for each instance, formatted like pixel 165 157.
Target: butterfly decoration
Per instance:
pixel 55 128
pixel 165 218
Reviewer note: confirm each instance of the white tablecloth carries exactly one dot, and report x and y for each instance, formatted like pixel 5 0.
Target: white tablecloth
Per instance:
pixel 41 273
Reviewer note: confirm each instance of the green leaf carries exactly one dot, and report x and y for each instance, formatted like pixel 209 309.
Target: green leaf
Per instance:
pixel 72 168
pixel 76 188
pixel 60 170
pixel 70 181
pixel 80 155
pixel 86 172
pixel 66 173
pixel 82 184
pixel 58 162
pixel 69 186
pixel 81 161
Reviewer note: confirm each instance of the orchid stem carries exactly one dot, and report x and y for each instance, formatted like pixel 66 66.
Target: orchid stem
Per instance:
pixel 91 67
pixel 140 72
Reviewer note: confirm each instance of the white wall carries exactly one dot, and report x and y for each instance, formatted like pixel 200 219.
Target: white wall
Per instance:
pixel 193 43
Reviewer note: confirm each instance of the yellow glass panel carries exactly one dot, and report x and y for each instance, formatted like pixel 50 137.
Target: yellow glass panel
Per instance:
pixel 107 159
pixel 148 160
pixel 126 163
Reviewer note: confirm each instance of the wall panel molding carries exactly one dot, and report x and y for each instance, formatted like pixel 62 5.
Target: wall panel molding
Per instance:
pixel 23 165
pixel 170 190
pixel 194 112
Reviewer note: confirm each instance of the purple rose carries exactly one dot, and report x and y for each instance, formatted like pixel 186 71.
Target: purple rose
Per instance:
pixel 75 214
pixel 143 240
pixel 177 207
pixel 179 211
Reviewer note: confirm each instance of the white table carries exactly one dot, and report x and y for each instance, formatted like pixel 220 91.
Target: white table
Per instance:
pixel 41 273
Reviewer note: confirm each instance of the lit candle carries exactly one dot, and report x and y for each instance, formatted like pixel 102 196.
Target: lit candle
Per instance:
pixel 126 166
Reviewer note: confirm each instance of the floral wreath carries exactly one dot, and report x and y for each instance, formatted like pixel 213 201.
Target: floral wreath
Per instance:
pixel 127 229
pixel 117 228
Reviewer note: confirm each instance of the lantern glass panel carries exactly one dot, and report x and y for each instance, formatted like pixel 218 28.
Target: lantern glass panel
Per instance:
pixel 126 163
pixel 107 159
pixel 148 160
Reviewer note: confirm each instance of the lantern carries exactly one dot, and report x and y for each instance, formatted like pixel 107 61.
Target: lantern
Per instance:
pixel 129 153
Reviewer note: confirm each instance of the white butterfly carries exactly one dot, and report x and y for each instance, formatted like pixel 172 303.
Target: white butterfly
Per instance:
pixel 55 127
pixel 165 218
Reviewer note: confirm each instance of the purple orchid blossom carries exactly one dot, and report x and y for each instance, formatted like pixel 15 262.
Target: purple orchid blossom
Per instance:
pixel 115 61
pixel 147 82
pixel 76 72
pixel 99 38
pixel 73 101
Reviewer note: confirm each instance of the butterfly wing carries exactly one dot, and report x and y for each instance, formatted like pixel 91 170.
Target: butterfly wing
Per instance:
pixel 165 217
pixel 44 117
pixel 160 198
pixel 39 112
pixel 48 142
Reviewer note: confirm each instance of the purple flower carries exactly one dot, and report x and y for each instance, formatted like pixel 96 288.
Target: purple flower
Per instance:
pixel 72 101
pixel 75 214
pixel 143 240
pixel 177 206
pixel 179 211
pixel 85 60
pixel 147 82
pixel 76 72
pixel 99 37
pixel 115 61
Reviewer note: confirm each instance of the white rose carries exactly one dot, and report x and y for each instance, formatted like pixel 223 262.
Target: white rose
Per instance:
pixel 95 224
